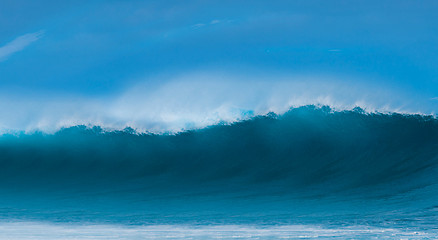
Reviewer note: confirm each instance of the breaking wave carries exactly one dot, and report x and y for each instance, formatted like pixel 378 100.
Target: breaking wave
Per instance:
pixel 309 165
pixel 305 146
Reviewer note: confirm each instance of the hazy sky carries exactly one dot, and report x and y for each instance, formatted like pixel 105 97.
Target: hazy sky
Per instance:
pixel 99 49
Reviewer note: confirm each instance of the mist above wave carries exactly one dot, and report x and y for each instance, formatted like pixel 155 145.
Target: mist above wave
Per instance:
pixel 197 100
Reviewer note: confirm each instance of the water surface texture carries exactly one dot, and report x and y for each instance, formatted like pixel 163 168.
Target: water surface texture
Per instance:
pixel 311 172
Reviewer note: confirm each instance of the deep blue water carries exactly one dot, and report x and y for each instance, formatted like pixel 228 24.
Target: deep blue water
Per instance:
pixel 341 172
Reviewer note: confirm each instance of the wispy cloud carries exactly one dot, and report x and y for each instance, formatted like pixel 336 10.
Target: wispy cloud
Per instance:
pixel 198 25
pixel 212 22
pixel 18 44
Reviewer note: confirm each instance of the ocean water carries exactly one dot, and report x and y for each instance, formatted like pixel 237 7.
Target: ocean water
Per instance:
pixel 309 173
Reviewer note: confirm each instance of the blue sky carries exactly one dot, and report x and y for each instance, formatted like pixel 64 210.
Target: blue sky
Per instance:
pixel 100 49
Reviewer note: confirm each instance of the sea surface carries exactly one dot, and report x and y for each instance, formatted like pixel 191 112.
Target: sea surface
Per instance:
pixel 311 172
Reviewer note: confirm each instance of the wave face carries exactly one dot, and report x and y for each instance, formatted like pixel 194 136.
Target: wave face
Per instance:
pixel 309 165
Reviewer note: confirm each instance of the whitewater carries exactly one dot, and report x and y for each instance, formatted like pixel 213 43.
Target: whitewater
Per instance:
pixel 311 172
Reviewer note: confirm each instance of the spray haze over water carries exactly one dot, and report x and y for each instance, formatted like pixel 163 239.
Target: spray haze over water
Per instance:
pixel 197 100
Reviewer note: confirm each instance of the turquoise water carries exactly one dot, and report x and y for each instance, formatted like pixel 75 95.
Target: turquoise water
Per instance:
pixel 310 173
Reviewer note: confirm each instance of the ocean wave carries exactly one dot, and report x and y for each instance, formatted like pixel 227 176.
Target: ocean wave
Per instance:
pixel 305 146
pixel 309 165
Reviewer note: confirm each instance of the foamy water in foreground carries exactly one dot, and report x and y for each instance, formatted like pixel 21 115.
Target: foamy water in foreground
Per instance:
pixel 35 230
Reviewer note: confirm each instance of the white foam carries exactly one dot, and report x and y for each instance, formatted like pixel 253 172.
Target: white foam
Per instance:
pixel 41 230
